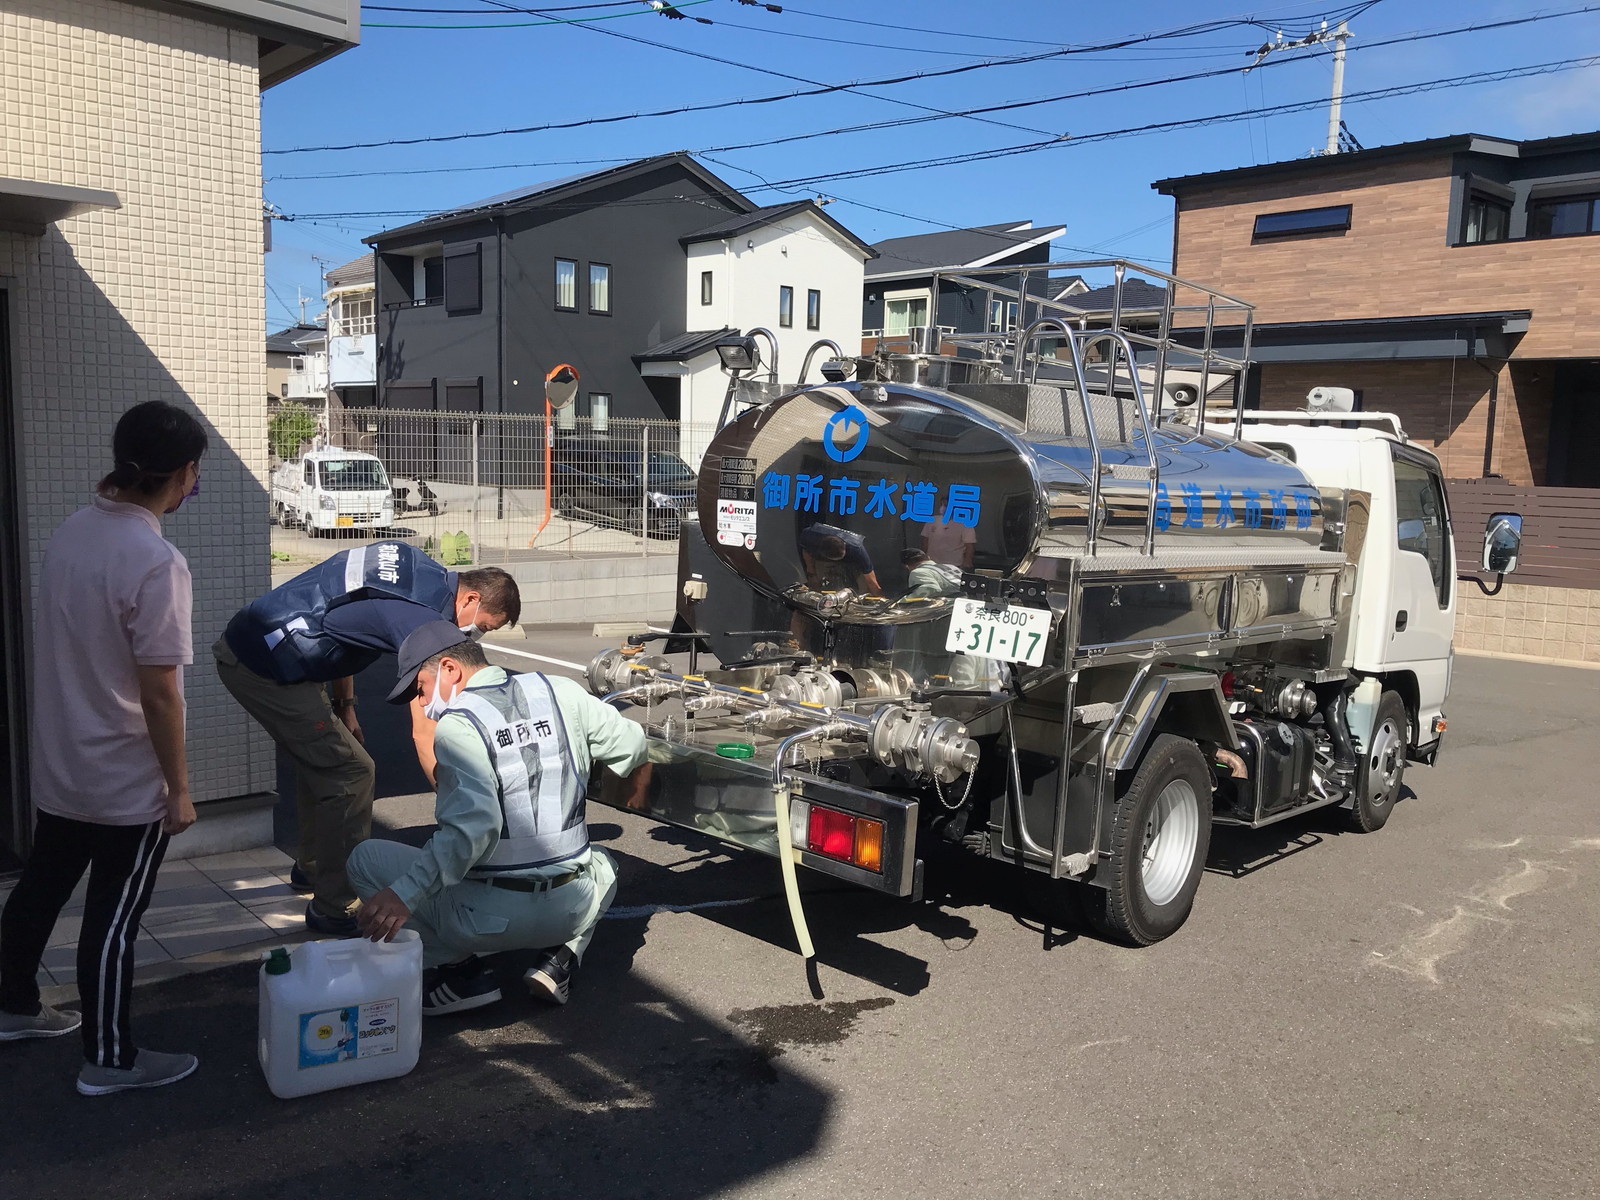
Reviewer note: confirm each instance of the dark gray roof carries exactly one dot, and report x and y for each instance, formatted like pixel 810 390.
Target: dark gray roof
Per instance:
pixel 685 346
pixel 1470 143
pixel 1138 295
pixel 739 223
pixel 1051 286
pixel 357 270
pixel 551 190
pixel 926 252
pixel 287 341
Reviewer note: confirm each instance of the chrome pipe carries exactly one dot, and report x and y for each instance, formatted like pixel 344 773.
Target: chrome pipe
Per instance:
pixel 805 367
pixel 1026 338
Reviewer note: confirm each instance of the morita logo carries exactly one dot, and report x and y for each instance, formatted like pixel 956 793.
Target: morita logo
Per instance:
pixel 388 568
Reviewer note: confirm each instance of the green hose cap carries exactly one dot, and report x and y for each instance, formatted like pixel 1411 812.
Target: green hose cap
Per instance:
pixel 736 750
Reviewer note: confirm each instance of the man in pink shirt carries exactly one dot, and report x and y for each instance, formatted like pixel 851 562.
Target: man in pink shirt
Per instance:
pixel 110 779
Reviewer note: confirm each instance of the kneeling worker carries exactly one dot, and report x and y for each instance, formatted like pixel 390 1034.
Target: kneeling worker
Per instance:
pixel 511 867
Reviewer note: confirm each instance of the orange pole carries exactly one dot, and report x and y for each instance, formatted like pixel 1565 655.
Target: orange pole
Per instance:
pixel 548 481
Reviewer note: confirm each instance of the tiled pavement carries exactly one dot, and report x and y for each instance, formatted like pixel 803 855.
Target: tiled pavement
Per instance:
pixel 205 913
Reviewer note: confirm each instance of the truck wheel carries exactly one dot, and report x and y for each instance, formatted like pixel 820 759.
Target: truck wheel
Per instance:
pixel 1382 769
pixel 1160 833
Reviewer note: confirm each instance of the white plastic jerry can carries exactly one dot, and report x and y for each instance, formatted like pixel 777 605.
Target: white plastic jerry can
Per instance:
pixel 336 1013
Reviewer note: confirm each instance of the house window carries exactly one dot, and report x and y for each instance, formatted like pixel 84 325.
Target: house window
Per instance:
pixel 705 287
pixel 1569 214
pixel 597 408
pixel 355 317
pixel 566 285
pixel 599 287
pixel 1334 219
pixel 432 279
pixel 785 307
pixel 813 309
pixel 904 313
pixel 463 278
pixel 1002 316
pixel 1488 220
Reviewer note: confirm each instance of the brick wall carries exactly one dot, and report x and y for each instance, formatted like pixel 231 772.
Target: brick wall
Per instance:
pixel 1393 261
pixel 161 299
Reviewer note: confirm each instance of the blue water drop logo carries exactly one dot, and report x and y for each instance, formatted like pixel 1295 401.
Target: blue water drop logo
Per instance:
pixel 844 425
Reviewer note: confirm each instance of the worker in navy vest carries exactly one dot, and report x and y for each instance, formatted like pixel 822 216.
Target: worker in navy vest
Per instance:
pixel 289 658
pixel 511 867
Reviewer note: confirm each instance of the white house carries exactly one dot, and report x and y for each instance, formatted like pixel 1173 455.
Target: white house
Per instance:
pixel 787 268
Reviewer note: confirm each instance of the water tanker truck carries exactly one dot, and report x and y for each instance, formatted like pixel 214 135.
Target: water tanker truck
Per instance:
pixel 1029 593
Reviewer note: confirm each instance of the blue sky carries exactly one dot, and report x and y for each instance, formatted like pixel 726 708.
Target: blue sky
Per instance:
pixel 404 83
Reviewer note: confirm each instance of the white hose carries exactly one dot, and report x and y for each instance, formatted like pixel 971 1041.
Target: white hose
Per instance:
pixel 786 861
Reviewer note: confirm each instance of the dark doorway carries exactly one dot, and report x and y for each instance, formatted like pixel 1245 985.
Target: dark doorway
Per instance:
pixel 15 818
pixel 1575 426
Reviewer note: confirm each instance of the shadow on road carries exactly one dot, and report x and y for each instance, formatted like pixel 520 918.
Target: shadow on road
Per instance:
pixel 629 1091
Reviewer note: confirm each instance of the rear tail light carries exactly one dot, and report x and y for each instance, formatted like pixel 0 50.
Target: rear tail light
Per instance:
pixel 837 835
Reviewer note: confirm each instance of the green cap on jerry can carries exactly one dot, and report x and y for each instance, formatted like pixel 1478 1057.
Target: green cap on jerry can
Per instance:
pixel 278 962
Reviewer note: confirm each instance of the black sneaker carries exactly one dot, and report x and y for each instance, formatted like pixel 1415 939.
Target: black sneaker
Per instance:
pixel 458 987
pixel 299 880
pixel 550 979
pixel 343 927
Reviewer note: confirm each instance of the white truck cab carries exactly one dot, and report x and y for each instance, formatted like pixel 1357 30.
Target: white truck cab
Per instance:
pixel 333 489
pixel 1403 610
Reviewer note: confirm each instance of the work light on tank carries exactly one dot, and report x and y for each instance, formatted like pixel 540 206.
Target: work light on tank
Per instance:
pixel 739 354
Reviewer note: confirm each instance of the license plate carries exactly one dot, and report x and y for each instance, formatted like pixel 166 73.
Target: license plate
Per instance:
pixel 344 520
pixel 1013 633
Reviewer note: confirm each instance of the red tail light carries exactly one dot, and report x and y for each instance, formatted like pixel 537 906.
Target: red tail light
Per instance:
pixel 837 835
pixel 831 833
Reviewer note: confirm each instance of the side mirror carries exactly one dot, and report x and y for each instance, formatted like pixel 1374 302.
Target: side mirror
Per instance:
pixel 1502 543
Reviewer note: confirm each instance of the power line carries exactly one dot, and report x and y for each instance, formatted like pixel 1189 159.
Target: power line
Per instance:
pixel 1498 76
pixel 1102 90
pixel 819 90
pixel 641 12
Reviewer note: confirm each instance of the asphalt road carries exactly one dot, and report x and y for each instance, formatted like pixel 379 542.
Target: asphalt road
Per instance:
pixel 1414 1013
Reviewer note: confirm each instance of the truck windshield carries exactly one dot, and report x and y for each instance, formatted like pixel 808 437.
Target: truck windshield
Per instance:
pixel 354 475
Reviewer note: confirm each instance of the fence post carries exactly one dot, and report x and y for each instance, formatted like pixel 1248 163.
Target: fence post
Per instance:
pixel 477 499
pixel 644 489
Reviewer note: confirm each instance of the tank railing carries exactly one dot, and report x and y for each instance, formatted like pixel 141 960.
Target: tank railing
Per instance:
pixel 1091 527
pixel 820 343
pixel 1118 342
pixel 1019 369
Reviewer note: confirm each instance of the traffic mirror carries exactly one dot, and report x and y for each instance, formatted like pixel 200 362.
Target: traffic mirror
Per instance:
pixel 561 386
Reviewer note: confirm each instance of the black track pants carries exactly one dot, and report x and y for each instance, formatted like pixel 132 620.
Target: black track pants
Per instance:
pixel 122 861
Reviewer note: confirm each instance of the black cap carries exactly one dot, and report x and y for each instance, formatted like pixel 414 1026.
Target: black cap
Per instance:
pixel 421 644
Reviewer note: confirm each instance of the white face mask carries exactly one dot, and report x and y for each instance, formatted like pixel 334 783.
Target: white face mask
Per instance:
pixel 437 704
pixel 471 630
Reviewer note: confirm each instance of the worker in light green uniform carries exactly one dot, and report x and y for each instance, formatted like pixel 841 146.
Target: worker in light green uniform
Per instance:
pixel 511 866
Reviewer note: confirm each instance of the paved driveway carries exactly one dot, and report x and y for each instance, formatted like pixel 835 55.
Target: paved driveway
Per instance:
pixel 1413 1013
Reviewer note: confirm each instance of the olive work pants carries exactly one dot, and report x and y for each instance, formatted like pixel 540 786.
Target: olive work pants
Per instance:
pixel 333 773
pixel 473 918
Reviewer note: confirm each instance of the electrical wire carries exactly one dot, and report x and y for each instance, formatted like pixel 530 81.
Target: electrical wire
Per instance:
pixel 1016 60
pixel 642 12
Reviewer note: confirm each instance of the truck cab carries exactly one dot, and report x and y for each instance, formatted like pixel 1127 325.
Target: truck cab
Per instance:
pixel 332 489
pixel 1403 608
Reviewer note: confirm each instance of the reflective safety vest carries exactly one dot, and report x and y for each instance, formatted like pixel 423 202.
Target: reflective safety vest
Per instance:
pixel 541 792
pixel 279 634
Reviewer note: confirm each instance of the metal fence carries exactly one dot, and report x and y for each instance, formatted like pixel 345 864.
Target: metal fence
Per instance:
pixel 473 488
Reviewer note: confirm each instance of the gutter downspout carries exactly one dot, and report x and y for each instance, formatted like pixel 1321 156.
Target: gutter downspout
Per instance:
pixel 1494 400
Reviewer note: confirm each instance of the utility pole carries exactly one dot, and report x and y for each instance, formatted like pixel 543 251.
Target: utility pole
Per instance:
pixel 1340 36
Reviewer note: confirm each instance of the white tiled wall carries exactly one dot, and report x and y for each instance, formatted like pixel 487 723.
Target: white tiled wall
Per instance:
pixel 159 300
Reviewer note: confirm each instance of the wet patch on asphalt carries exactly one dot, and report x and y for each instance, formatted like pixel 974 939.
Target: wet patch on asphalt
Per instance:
pixel 776 1027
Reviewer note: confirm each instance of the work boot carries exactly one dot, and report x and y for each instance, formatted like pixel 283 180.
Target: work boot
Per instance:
pixel 49 1022
pixel 320 922
pixel 150 1069
pixel 550 979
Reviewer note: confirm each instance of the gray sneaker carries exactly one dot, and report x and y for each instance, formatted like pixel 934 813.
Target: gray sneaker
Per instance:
pixel 50 1022
pixel 150 1069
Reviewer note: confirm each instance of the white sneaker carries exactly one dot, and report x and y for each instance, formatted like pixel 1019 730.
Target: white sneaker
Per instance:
pixel 50 1022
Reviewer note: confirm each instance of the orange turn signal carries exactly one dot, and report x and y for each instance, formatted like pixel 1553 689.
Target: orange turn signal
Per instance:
pixel 869 845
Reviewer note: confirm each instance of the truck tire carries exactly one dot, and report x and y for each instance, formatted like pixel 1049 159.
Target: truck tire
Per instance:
pixel 1382 769
pixel 1160 832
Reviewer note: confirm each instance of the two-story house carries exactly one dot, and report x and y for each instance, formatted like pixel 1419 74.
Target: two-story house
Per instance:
pixel 630 274
pixel 352 345
pixel 898 301
pixel 1450 281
